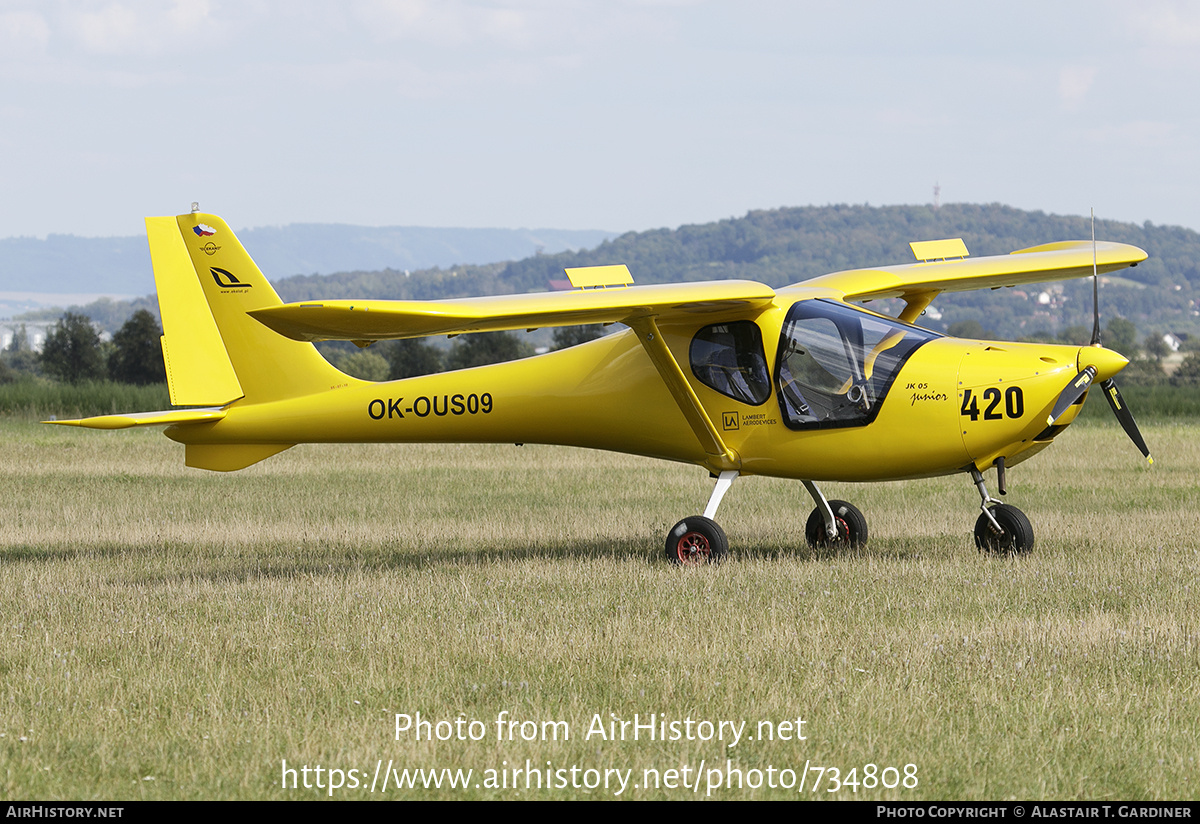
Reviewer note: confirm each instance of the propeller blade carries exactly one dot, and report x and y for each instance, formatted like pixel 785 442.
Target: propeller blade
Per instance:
pixel 1095 288
pixel 1071 393
pixel 1123 415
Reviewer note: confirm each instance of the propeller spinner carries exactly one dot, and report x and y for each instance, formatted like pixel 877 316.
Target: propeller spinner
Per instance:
pixel 1098 362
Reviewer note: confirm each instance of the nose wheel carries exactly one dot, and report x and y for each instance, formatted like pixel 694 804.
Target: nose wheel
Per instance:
pixel 1014 536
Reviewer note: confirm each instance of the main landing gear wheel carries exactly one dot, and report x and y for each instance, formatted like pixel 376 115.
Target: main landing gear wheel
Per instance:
pixel 695 541
pixel 850 523
pixel 1015 538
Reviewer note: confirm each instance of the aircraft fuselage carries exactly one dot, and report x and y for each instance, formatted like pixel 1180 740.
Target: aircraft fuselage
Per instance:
pixel 952 403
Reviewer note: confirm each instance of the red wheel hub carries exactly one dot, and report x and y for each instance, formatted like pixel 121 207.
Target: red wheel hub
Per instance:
pixel 843 529
pixel 694 549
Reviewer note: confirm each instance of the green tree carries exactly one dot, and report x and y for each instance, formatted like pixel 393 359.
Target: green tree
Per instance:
pixel 20 340
pixel 566 336
pixel 137 355
pixel 1120 335
pixel 412 357
pixel 25 362
pixel 972 329
pixel 1075 335
pixel 72 350
pixel 1156 347
pixel 363 364
pixel 1188 372
pixel 1040 336
pixel 18 357
pixel 1142 372
pixel 487 347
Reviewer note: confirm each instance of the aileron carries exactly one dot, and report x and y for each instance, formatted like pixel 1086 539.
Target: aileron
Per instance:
pixel 1054 261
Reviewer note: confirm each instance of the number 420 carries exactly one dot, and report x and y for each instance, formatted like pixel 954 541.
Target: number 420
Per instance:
pixel 1014 404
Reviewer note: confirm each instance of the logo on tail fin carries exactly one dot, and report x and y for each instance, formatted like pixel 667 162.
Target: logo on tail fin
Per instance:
pixel 226 279
pixel 203 230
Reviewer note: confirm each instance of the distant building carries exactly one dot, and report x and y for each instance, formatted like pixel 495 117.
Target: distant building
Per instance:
pixel 35 330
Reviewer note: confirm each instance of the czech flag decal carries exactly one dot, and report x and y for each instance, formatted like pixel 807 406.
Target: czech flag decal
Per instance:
pixel 203 230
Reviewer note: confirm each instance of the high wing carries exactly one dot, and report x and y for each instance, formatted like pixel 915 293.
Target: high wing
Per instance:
pixel 917 284
pixel 372 320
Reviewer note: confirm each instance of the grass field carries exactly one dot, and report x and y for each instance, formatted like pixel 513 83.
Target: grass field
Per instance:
pixel 168 633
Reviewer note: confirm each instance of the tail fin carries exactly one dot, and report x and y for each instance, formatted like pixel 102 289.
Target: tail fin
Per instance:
pixel 215 352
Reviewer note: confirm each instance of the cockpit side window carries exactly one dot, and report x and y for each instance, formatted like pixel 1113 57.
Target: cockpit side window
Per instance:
pixel 837 363
pixel 729 358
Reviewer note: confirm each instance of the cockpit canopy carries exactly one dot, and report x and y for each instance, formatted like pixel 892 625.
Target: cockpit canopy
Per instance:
pixel 834 367
pixel 836 363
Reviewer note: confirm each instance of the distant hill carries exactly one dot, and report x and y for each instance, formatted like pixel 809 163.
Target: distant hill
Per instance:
pixel 121 265
pixel 782 246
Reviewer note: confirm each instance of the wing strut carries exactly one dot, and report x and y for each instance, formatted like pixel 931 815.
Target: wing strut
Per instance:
pixel 721 457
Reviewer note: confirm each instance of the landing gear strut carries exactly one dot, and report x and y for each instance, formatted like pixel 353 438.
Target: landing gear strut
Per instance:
pixel 1001 529
pixel 700 540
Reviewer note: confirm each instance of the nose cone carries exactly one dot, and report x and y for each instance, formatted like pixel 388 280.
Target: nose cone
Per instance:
pixel 1106 362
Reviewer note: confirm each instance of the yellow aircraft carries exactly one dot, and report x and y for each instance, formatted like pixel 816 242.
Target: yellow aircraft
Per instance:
pixel 734 376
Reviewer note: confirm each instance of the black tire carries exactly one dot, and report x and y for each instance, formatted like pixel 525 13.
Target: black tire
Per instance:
pixel 695 541
pixel 1017 538
pixel 851 527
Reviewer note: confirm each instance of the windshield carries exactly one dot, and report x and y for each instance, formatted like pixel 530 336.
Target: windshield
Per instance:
pixel 837 363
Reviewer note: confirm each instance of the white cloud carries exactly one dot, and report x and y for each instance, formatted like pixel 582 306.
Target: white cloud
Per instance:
pixel 1139 136
pixel 1166 22
pixel 447 23
pixel 110 30
pixel 1074 83
pixel 23 33
pixel 139 28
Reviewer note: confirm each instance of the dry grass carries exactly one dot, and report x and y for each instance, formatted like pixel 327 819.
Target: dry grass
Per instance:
pixel 197 629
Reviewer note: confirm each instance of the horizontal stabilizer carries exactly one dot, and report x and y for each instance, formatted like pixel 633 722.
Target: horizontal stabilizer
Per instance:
pixel 371 320
pixel 173 416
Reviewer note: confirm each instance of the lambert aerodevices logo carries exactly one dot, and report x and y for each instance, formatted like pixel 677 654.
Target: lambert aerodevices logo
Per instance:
pixel 227 280
pixel 203 230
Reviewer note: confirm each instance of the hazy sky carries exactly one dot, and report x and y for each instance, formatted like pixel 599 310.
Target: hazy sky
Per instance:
pixel 615 115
